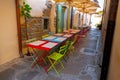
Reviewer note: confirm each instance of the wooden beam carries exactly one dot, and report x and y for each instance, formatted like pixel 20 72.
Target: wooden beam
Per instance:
pixel 18 27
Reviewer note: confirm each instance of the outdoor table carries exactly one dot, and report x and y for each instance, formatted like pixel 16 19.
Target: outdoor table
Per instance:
pixel 49 38
pixel 42 45
pixel 66 31
pixel 68 35
pixel 45 46
pixel 73 31
pixel 77 30
pixel 58 39
pixel 59 34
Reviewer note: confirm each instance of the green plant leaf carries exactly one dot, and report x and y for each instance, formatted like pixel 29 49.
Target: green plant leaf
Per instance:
pixel 25 10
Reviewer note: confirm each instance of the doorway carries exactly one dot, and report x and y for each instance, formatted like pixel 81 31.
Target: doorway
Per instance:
pixel 60 18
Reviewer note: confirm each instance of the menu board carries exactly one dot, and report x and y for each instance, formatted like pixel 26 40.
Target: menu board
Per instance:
pixel 37 43
pixel 67 35
pixel 58 34
pixel 77 30
pixel 73 32
pixel 49 45
pixel 60 39
pixel 49 38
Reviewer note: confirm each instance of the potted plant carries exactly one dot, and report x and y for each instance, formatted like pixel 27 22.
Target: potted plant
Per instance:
pixel 25 10
pixel 99 26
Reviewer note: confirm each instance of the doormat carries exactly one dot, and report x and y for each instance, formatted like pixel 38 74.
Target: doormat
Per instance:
pixel 83 73
pixel 93 38
pixel 88 51
pixel 90 68
pixel 92 71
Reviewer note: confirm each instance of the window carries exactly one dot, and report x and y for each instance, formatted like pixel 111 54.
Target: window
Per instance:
pixel 45 23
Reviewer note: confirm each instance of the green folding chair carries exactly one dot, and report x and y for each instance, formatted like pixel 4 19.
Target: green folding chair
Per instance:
pixel 56 57
pixel 71 46
pixel 46 35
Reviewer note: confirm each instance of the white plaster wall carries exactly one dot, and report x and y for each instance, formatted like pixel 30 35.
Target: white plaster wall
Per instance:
pixel 87 19
pixel 75 19
pixel 8 31
pixel 37 7
pixel 37 10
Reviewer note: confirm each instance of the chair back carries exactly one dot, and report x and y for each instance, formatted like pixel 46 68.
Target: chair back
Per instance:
pixel 75 39
pixel 30 40
pixel 51 33
pixel 64 48
pixel 46 35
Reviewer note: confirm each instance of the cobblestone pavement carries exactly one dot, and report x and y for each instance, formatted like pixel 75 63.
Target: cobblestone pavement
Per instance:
pixel 81 65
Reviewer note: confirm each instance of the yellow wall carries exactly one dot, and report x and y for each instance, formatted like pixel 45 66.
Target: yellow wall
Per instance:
pixel 8 31
pixel 114 73
pixel 105 20
pixel 75 19
pixel 52 18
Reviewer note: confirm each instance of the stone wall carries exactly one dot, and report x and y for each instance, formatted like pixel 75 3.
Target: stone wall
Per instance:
pixel 33 27
pixel 23 32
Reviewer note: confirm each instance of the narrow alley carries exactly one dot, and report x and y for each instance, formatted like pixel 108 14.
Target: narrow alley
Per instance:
pixel 82 64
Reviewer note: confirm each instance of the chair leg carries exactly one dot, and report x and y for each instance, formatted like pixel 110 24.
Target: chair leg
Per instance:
pixel 60 69
pixel 71 51
pixel 67 55
pixel 34 63
pixel 53 66
pixel 62 65
pixel 56 70
pixel 64 59
pixel 44 61
pixel 72 48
